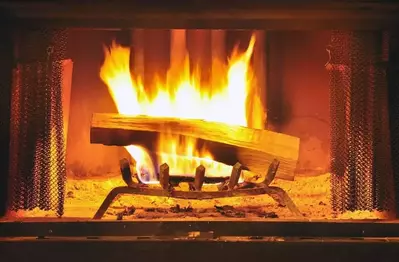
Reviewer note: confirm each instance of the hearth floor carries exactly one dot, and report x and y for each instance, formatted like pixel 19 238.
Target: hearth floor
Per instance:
pixel 310 194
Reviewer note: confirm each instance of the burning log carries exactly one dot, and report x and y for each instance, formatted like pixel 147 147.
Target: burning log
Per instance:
pixel 255 149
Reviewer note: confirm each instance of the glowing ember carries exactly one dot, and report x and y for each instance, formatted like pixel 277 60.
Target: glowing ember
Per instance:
pixel 183 96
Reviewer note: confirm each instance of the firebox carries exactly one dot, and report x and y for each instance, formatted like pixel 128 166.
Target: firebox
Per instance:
pixel 200 120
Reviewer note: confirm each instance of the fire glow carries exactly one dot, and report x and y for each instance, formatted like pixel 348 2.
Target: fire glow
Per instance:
pixel 184 96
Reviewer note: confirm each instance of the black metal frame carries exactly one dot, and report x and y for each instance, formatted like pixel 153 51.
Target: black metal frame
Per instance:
pixel 113 241
pixel 6 65
pixel 223 14
pixel 207 14
pixel 218 228
pixel 195 250
pixel 352 240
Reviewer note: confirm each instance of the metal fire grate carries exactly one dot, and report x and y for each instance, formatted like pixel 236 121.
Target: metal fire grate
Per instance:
pixel 227 187
pixel 360 155
pixel 37 161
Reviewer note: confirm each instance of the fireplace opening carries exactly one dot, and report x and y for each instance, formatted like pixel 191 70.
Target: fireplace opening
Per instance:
pixel 201 124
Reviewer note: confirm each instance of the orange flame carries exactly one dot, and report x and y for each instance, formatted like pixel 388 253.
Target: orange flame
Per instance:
pixel 183 96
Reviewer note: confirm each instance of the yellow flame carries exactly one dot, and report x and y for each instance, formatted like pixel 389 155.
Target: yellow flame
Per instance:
pixel 182 96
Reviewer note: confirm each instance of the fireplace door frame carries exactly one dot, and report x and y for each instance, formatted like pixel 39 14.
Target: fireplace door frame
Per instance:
pixel 206 14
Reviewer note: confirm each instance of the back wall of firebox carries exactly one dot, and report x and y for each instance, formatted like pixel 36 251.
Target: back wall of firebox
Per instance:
pixel 297 91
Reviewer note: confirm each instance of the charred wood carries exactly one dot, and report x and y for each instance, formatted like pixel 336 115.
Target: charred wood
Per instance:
pixel 128 211
pixel 178 209
pixel 229 211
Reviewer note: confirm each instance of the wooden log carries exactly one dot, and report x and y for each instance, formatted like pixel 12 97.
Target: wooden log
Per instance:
pixel 255 149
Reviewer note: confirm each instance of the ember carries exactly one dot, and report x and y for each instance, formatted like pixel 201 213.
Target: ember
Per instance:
pixel 178 209
pixel 229 211
pixel 128 211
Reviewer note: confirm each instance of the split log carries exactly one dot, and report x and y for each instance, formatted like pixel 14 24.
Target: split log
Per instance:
pixel 255 149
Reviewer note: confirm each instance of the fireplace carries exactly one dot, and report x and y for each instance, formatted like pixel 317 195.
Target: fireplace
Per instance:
pixel 266 122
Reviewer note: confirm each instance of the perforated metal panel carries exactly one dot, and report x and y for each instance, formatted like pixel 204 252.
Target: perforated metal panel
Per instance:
pixel 360 156
pixel 37 152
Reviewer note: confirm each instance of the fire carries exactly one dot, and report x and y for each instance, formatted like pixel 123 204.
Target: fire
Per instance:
pixel 182 96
